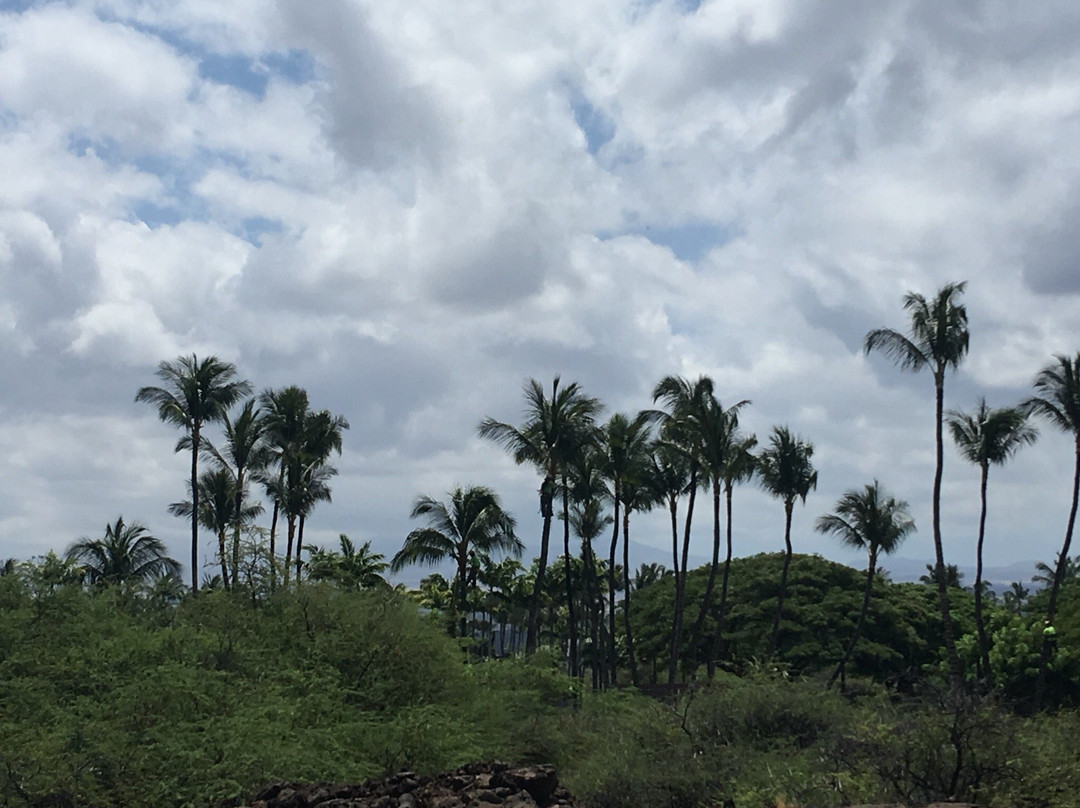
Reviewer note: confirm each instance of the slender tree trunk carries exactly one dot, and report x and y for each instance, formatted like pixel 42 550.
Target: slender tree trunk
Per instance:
pixel 238 506
pixel 680 589
pixel 300 546
pixel 673 653
pixel 195 429
pixel 223 555
pixel 955 674
pixel 1059 577
pixel 710 584
pixel 626 596
pixel 613 652
pixel 593 611
pixel 718 640
pixel 461 598
pixel 841 668
pixel 273 548
pixel 571 616
pixel 289 545
pixel 980 625
pixel 547 492
pixel 773 642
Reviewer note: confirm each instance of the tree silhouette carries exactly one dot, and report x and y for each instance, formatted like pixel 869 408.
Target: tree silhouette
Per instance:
pixel 194 394
pixel 938 340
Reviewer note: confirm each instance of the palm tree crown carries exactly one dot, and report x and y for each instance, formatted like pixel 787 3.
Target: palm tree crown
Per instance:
pixel 194 393
pixel 868 519
pixel 126 554
pixel 990 436
pixel 472 522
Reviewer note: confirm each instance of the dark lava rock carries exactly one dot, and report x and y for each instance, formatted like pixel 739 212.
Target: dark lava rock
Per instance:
pixel 477 785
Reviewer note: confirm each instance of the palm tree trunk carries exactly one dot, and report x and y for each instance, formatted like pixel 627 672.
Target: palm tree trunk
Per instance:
pixel 626 596
pixel 955 675
pixel 676 628
pixel 570 613
pixel 613 655
pixel 592 612
pixel 680 589
pixel 789 506
pixel 461 597
pixel 195 428
pixel 546 511
pixel 222 555
pixel 291 519
pixel 300 546
pixel 719 638
pixel 238 504
pixel 842 666
pixel 980 626
pixel 1059 577
pixel 710 584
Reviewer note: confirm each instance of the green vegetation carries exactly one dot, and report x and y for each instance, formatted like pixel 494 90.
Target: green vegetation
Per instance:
pixel 128 699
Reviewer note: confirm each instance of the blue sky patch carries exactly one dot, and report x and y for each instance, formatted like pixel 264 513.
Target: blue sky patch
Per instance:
pixel 688 242
pixel 597 125
pixel 236 70
pixel 253 228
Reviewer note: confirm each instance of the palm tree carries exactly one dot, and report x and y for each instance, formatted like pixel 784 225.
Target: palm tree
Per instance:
pixel 243 452
pixel 636 495
pixel 553 428
pixel 473 521
pixel 1058 400
pixel 717 439
pixel 322 436
pixel 866 520
pixel 938 340
pixel 683 398
pixel 624 448
pixel 983 437
pixel 126 555
pixel 194 393
pixel 740 467
pixel 785 471
pixel 286 412
pixel 217 510
pixel 351 567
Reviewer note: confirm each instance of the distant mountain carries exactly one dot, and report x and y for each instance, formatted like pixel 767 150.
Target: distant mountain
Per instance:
pixel 1000 578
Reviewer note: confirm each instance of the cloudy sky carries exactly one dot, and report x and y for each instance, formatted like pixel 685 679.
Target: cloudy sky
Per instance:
pixel 409 208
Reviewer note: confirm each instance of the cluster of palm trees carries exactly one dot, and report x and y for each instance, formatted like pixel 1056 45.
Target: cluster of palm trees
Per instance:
pixel 274 440
pixel 595 475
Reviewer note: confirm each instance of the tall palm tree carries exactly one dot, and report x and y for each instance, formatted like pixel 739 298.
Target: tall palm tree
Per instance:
pixel 983 437
pixel 740 467
pixel 625 449
pixel 636 495
pixel 243 452
pixel 717 438
pixel 868 520
pixel 473 521
pixel 286 411
pixel 1058 401
pixel 127 554
pixel 669 475
pixel 553 428
pixel 322 437
pixel 195 393
pixel 217 511
pixel 683 399
pixel 938 340
pixel 787 473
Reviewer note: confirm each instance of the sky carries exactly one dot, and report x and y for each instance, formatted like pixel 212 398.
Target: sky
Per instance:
pixel 409 211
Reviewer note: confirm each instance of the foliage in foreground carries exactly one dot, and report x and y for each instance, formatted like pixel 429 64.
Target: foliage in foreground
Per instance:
pixel 109 701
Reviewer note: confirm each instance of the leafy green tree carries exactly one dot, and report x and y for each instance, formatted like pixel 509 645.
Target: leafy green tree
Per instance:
pixel 473 521
pixel 126 555
pixel 867 520
pixel 787 473
pixel 986 437
pixel 244 452
pixel 683 399
pixel 193 394
pixel 938 340
pixel 554 428
pixel 351 567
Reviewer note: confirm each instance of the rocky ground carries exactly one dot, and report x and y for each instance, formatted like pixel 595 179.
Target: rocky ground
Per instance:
pixel 478 785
